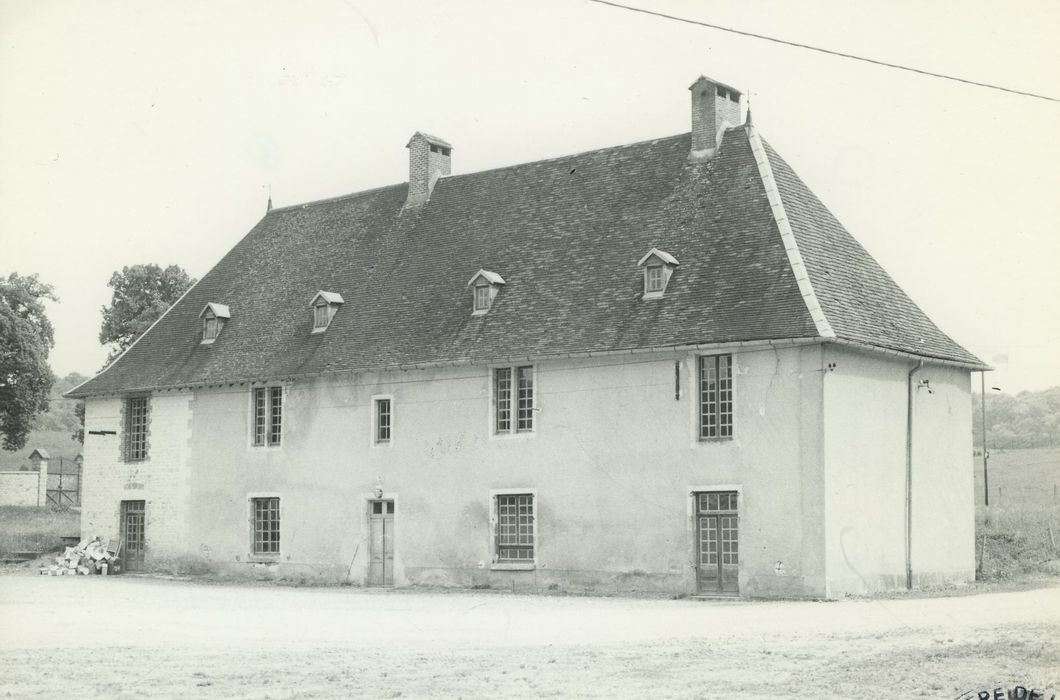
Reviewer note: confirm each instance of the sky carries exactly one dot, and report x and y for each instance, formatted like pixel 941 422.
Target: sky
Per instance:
pixel 151 132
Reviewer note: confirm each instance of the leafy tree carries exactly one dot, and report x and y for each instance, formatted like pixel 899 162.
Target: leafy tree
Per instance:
pixel 1027 419
pixel 26 338
pixel 142 293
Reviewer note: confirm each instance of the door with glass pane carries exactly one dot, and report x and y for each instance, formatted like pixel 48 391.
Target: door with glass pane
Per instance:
pixel 381 543
pixel 133 538
pixel 717 543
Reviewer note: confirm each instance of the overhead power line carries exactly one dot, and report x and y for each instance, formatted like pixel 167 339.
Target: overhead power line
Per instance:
pixel 830 52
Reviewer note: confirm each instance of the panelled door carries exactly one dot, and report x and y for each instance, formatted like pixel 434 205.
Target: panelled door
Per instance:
pixel 133 537
pixel 717 543
pixel 381 543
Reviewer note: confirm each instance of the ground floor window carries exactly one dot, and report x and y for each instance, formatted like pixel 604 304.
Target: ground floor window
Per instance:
pixel 515 528
pixel 266 525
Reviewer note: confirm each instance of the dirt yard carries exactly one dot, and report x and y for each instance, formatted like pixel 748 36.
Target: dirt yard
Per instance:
pixel 129 637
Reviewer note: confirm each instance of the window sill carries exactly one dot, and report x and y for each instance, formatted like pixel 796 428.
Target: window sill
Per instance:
pixel 708 440
pixel 512 566
pixel 264 559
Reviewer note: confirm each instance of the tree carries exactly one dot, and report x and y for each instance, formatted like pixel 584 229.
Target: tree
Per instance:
pixel 142 293
pixel 26 338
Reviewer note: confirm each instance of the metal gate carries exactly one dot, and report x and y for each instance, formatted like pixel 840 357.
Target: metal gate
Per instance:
pixel 133 539
pixel 717 543
pixel 381 543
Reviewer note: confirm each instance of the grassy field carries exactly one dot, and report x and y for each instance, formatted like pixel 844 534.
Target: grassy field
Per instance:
pixel 30 529
pixel 57 443
pixel 1019 533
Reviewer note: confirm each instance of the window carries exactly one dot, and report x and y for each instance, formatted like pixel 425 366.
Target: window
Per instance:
pixel 213 318
pixel 383 421
pixel 266 525
pixel 482 297
pixel 715 397
pixel 658 267
pixel 324 305
pixel 134 439
pixel 320 315
pixel 515 528
pixel 513 405
pixel 268 415
pixel 656 281
pixel 210 327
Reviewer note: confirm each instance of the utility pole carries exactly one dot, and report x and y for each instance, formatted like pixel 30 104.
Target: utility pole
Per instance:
pixel 986 478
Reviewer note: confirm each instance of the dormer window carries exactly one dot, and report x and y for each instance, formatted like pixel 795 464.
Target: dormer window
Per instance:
pixel 324 306
pixel 484 287
pixel 214 317
pixel 658 266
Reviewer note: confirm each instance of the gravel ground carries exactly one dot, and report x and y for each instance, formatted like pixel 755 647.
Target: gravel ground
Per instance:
pixel 142 637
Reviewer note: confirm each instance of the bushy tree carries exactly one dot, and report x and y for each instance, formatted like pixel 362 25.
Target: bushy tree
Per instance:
pixel 26 338
pixel 142 293
pixel 1026 419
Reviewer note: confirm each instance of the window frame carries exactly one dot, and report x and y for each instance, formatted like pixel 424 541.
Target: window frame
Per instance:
pixel 252 521
pixel 659 280
pixel 483 292
pixel 723 410
pixel 321 309
pixel 268 432
pixel 377 400
pixel 515 412
pixel 210 321
pixel 129 455
pixel 531 563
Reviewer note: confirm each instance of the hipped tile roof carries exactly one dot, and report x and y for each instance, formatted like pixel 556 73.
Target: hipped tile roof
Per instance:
pixel 566 234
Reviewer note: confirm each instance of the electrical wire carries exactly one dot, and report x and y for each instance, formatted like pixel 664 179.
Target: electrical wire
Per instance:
pixel 830 52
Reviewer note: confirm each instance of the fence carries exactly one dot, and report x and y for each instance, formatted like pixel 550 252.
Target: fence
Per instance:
pixel 64 486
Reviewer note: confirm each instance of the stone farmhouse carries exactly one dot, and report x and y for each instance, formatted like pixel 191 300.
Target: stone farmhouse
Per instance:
pixel 663 366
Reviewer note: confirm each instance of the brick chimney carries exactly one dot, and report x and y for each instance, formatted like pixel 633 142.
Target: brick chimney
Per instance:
pixel 429 158
pixel 714 106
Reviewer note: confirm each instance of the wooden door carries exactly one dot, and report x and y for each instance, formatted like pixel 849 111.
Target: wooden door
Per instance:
pixel 381 543
pixel 717 543
pixel 133 537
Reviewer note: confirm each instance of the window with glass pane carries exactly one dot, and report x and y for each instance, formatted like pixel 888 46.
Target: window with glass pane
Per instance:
pixel 715 396
pixel 210 327
pixel 502 398
pixel 382 420
pixel 482 297
pixel 655 278
pixel 266 525
pixel 525 416
pixel 268 415
pixel 135 437
pixel 320 316
pixel 515 528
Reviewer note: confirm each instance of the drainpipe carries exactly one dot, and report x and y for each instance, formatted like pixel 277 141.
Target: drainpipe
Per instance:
pixel 909 479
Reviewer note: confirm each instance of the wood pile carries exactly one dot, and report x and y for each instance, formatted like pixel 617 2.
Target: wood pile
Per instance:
pixel 87 557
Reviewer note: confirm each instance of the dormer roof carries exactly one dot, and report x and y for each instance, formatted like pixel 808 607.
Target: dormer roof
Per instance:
pixel 491 277
pixel 662 255
pixel 329 297
pixel 218 310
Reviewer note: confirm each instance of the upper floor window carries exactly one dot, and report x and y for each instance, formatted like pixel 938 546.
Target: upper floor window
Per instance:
pixel 383 420
pixel 214 317
pixel 268 415
pixel 484 285
pixel 324 305
pixel 513 399
pixel 658 267
pixel 715 397
pixel 134 433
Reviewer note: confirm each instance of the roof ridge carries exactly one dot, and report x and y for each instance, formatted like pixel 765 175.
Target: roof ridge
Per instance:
pixel 791 245
pixel 351 195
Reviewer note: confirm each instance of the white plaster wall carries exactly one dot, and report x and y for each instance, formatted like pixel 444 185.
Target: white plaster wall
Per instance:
pixel 21 489
pixel 161 480
pixel 865 457
pixel 613 458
